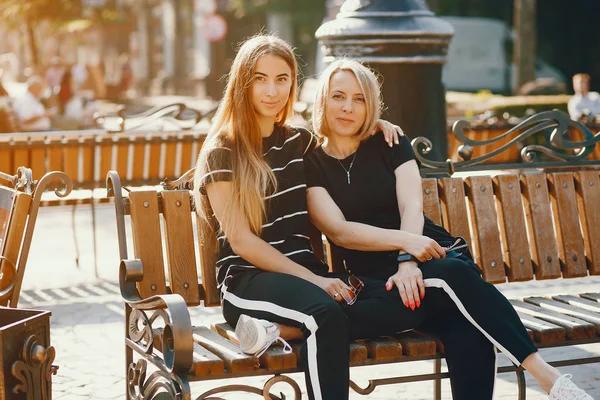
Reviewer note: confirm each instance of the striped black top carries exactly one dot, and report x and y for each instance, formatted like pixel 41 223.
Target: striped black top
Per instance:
pixel 286 223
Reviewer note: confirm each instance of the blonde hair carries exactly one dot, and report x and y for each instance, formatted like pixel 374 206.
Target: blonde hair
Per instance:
pixel 235 126
pixel 368 84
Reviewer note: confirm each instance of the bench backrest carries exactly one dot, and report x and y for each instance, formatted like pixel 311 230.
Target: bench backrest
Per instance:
pixel 20 199
pixel 87 156
pixel 519 227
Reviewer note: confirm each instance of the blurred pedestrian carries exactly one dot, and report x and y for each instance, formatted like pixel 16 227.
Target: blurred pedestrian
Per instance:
pixel 30 111
pixel 583 103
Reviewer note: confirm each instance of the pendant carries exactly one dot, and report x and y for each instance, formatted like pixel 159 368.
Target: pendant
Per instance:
pixel 348 174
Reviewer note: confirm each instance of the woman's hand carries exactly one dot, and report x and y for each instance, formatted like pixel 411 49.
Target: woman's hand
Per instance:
pixel 391 132
pixel 332 286
pixel 409 281
pixel 423 248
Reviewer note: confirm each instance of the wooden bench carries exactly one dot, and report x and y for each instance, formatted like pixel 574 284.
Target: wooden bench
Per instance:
pixel 20 198
pixel 526 225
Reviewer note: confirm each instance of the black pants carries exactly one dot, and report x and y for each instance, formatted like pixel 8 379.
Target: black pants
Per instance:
pixel 469 315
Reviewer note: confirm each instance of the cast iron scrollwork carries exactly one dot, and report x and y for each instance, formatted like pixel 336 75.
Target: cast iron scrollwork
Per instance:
pixel 561 146
pixel 158 385
pixel 140 327
pixel 265 392
pixel 34 370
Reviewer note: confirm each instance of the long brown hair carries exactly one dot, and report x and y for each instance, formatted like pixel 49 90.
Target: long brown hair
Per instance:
pixel 235 126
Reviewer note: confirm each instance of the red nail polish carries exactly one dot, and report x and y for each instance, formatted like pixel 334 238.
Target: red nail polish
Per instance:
pixel 422 296
pixel 406 303
pixel 412 307
pixel 418 304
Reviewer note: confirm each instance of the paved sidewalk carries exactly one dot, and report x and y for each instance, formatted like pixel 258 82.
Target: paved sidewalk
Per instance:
pixel 87 317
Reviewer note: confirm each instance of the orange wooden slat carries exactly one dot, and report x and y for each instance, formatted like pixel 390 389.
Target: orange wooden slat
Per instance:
pixel 568 230
pixel 209 254
pixel 587 186
pixel 179 236
pixel 431 200
pixel 54 153
pixel 88 154
pixel 147 241
pixel 456 220
pixel 38 157
pixel 122 144
pixel 154 160
pixel 170 156
pixel 11 247
pixel 105 142
pixel 186 156
pixel 6 153
pixel 21 153
pixel 486 237
pixel 517 256
pixel 71 154
pixel 139 156
pixel 544 249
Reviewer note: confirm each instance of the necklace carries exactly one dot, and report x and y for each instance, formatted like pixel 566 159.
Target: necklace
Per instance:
pixel 349 168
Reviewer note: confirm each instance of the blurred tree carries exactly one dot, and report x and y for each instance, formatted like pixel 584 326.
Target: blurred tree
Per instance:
pixel 31 12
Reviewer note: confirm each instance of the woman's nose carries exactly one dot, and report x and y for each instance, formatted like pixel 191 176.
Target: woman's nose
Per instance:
pixel 271 89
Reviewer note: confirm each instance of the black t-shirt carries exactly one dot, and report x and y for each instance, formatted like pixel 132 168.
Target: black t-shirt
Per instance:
pixel 286 223
pixel 370 198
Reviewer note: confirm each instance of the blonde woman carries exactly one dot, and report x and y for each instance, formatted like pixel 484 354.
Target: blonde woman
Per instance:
pixel 250 180
pixel 366 197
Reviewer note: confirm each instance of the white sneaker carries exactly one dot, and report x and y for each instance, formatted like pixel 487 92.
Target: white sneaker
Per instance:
pixel 565 389
pixel 257 335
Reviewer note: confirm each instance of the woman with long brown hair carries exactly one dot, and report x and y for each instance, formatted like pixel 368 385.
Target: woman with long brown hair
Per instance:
pixel 250 182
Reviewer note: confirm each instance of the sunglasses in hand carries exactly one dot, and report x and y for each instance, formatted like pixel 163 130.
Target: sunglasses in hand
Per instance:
pixel 350 295
pixel 460 246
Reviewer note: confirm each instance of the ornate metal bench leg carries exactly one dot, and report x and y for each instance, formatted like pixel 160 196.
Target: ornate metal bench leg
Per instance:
pixel 437 384
pixel 521 382
pixel 159 385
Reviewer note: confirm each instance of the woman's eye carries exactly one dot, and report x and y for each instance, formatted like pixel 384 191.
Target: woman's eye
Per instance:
pixel 282 79
pixel 259 78
pixel 337 96
pixel 360 99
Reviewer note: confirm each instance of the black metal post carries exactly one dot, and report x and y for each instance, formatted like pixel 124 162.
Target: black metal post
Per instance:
pixel 407 44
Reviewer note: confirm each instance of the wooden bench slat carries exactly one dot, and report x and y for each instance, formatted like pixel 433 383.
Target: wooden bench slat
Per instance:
pixel 14 210
pixel 179 238
pixel 38 158
pixel 563 308
pixel 383 349
pixel 512 227
pixel 208 260
pixel 20 153
pixel 139 157
pixel 543 332
pixel 106 154
pixel 171 157
pixel 71 158
pixel 147 241
pixel 575 328
pixel 431 200
pixel 122 143
pixel 54 153
pixel 591 296
pixel 541 229
pixel 568 230
pixel 154 159
pixel 415 344
pixel 579 302
pixel 486 238
pixel 88 154
pixel 204 363
pixel 456 220
pixel 186 158
pixel 587 186
pixel 235 360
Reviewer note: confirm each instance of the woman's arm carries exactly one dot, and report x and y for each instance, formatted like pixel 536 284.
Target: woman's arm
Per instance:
pixel 330 220
pixel 410 198
pixel 247 245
